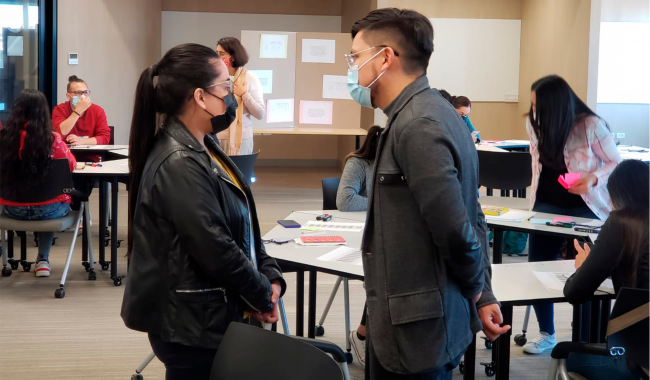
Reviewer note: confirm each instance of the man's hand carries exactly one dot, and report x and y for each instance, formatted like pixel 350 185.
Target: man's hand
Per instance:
pixel 581 254
pixel 76 140
pixel 240 89
pixel 83 104
pixel 491 318
pixel 72 139
pixel 270 317
pixel 583 185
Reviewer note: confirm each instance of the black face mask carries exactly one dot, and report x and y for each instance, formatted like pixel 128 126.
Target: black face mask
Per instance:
pixel 222 122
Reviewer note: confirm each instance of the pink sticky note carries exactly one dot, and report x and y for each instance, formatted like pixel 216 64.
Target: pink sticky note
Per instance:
pixel 568 179
pixel 561 219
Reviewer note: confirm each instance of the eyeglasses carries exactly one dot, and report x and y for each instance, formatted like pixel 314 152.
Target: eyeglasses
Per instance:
pixel 79 93
pixel 351 59
pixel 228 85
pixel 223 54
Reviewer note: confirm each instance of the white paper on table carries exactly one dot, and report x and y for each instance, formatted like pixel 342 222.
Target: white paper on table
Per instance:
pixel 316 112
pixel 336 87
pixel 522 142
pixel 594 223
pixel 334 226
pixel 273 45
pixel 266 80
pixel 318 51
pixel 279 110
pixel 552 280
pixel 100 146
pixel 512 215
pixel 343 255
pixel 607 286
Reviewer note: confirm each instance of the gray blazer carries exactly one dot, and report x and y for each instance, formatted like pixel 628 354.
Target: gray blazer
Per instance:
pixel 422 255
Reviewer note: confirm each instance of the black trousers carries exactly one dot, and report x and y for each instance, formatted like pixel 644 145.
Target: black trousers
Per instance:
pixel 183 362
pixel 375 371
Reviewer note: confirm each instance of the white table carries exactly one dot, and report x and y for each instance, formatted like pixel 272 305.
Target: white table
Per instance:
pixel 97 148
pixel 112 172
pixel 631 152
pixel 119 152
pixel 356 132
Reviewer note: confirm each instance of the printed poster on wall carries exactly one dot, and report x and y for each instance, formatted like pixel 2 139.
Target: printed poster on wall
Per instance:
pixel 336 87
pixel 279 111
pixel 273 45
pixel 266 80
pixel 316 112
pixel 318 51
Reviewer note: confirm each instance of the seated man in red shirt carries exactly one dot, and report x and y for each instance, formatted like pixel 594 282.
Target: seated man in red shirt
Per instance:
pixel 78 120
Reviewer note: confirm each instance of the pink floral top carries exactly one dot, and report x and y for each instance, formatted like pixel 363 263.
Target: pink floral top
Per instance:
pixel 590 148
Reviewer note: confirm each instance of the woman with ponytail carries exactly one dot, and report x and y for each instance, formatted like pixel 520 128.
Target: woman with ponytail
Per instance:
pixel 197 261
pixel 27 144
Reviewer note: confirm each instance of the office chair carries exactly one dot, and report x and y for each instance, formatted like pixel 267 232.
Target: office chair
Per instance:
pixel 627 334
pixel 330 188
pixel 246 165
pixel 111 140
pixel 276 357
pixel 56 180
pixel 505 171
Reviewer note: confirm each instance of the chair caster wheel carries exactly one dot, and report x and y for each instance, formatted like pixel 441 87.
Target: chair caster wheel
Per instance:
pixel 59 293
pixel 320 330
pixel 106 242
pixel 86 265
pixel 6 272
pixel 520 339
pixel 106 233
pixel 27 267
pixel 488 343
pixel 14 265
pixel 461 368
pixel 92 276
pixel 117 281
pixel 137 377
pixel 348 356
pixel 117 245
pixel 105 266
pixel 489 369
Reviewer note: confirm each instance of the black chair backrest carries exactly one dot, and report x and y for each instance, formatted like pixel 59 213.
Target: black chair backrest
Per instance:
pixel 111 140
pixel 634 338
pixel 246 164
pixel 248 352
pixel 56 180
pixel 330 188
pixel 504 171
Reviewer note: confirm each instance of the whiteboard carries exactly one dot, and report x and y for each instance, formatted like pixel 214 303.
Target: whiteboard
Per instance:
pixel 477 58
pixel 206 28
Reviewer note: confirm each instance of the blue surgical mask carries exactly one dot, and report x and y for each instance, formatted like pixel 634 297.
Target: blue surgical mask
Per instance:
pixel 359 93
pixel 75 100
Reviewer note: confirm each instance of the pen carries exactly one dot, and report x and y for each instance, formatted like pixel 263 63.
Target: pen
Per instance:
pixel 565 225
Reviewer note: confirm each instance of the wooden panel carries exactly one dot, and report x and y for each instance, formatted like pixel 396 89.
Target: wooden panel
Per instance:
pixel 309 81
pixel 288 7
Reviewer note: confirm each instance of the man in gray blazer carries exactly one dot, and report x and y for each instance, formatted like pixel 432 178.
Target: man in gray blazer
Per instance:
pixel 425 269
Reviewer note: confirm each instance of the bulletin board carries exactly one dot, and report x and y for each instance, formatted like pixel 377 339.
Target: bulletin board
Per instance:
pixel 283 71
pixel 346 113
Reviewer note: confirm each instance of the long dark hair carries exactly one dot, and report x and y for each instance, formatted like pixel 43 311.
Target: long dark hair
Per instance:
pixel 558 110
pixel 368 150
pixel 456 101
pixel 629 186
pixel 30 113
pixel 183 69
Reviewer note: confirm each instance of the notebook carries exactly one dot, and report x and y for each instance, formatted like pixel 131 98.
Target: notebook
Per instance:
pixel 323 240
pixel 495 211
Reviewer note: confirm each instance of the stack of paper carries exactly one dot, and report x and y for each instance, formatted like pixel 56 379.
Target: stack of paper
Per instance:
pixel 512 215
pixel 343 255
pixel 557 281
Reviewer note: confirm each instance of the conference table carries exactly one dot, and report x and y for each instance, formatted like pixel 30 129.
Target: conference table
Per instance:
pixel 306 259
pixel 99 150
pixel 109 172
pixel 312 131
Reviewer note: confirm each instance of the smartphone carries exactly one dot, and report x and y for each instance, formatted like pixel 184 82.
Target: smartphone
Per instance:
pixel 289 223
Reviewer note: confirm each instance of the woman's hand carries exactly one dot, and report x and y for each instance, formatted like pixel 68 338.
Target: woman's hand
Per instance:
pixel 240 89
pixel 581 254
pixel 584 184
pixel 273 315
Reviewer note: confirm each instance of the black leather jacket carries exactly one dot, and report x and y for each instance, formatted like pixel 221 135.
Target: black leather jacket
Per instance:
pixel 190 273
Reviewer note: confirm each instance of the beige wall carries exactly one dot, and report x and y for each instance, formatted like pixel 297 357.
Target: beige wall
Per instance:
pixel 115 41
pixel 554 40
pixel 495 120
pixel 287 7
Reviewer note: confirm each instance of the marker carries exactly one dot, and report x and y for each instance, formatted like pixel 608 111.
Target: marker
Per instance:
pixel 565 225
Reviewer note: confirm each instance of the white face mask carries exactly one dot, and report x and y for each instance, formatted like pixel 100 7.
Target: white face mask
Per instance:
pixel 358 92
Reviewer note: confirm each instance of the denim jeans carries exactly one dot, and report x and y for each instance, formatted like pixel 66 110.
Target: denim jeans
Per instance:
pixel 44 212
pixel 547 248
pixel 601 367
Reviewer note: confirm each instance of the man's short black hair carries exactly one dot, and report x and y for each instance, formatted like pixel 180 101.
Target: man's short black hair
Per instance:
pixel 408 32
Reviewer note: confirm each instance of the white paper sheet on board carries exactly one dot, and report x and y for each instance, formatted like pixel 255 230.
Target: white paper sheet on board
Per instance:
pixel 318 51
pixel 335 87
pixel 315 112
pixel 273 45
pixel 279 110
pixel 266 79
